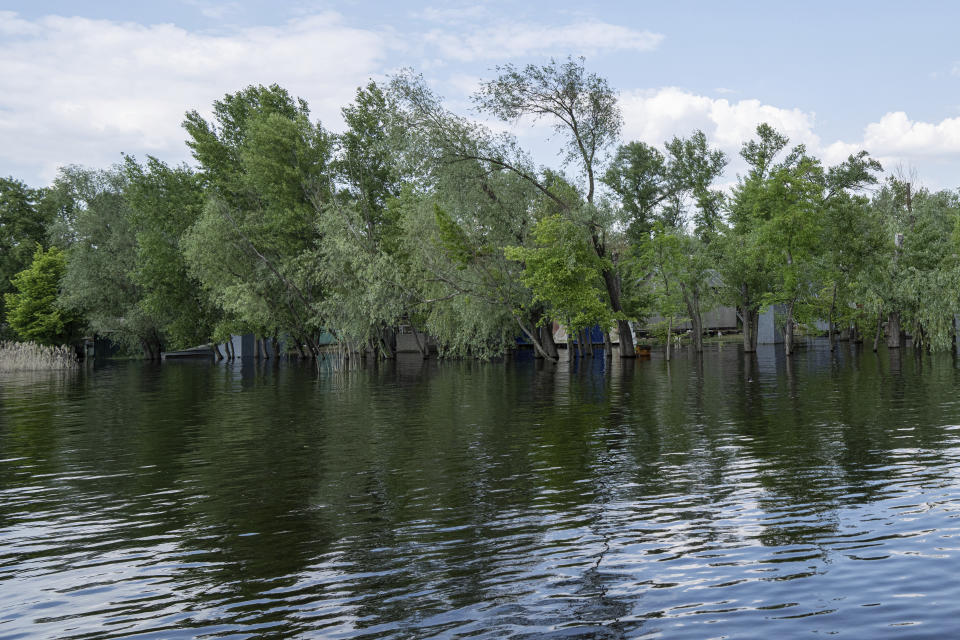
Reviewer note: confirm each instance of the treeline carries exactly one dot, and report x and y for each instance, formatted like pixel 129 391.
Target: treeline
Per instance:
pixel 418 217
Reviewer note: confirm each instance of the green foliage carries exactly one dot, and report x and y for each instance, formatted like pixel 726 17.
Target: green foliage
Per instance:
pixel 164 203
pixel 101 248
pixel 23 225
pixel 564 273
pixel 33 311
pixel 266 167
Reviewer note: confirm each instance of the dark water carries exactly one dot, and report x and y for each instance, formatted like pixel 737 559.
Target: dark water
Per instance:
pixel 733 497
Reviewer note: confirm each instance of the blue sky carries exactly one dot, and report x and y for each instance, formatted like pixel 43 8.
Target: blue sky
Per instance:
pixel 83 82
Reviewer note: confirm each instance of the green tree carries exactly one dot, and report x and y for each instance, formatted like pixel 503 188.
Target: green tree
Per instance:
pixel 164 202
pixel 266 167
pixel 583 109
pixel 33 310
pixel 470 195
pixel 23 225
pixel 673 189
pixel 564 274
pixel 95 226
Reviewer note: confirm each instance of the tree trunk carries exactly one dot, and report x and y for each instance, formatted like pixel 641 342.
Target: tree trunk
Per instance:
pixel 275 343
pixel 788 331
pixel 669 335
pixel 588 341
pixel 613 291
pixel 627 348
pixel 894 339
pixel 216 351
pixel 607 344
pixel 833 304
pixel 388 343
pixel 876 338
pixel 533 335
pixel 692 298
pixel 751 321
pixel 579 340
pixel 546 339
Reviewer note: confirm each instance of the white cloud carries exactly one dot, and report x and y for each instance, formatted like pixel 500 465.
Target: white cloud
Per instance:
pixel 896 134
pixel 75 90
pixel 657 115
pixel 511 40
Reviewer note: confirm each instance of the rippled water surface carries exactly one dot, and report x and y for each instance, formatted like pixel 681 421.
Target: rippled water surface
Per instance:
pixel 725 497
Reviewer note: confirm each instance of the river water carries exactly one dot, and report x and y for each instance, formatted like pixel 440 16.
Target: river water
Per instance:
pixel 727 496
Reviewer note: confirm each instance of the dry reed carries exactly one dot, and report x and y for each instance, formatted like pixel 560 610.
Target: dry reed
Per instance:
pixel 29 356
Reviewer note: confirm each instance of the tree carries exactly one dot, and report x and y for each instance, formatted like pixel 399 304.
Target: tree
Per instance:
pixel 673 190
pixel 33 310
pixel 23 225
pixel 583 109
pixel 564 274
pixel 95 227
pixel 367 286
pixel 164 203
pixel 267 169
pixel 471 195
pixel 779 214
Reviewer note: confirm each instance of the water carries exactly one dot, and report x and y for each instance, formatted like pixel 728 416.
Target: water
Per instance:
pixel 730 497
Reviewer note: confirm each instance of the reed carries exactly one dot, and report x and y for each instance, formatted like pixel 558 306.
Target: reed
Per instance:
pixel 29 356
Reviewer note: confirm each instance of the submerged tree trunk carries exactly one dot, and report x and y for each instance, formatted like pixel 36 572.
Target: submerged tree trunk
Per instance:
pixel 692 298
pixel 894 338
pixel 546 338
pixel 216 351
pixel 588 341
pixel 612 283
pixel 833 304
pixel 275 344
pixel 532 334
pixel 669 335
pixel 751 321
pixel 607 344
pixel 788 331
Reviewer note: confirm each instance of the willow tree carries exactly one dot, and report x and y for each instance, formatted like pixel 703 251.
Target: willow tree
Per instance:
pixel 583 110
pixel 266 167
pixel 368 290
pixel 916 277
pixel 471 195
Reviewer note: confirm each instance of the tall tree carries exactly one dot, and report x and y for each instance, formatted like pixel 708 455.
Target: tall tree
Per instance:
pixel 675 190
pixel 33 309
pixel 266 165
pixel 23 225
pixel 95 224
pixel 583 109
pixel 164 203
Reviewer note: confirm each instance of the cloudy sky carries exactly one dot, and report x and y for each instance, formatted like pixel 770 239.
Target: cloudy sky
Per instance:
pixel 82 82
